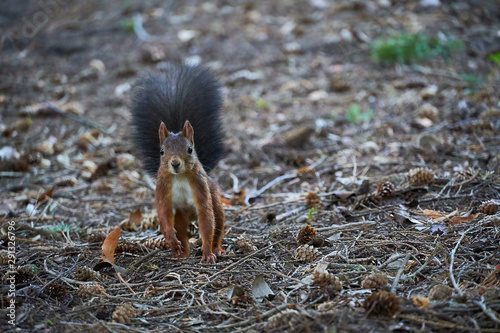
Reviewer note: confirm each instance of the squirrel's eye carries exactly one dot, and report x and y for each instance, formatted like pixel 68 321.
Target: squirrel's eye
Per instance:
pixel 190 150
pixel 161 151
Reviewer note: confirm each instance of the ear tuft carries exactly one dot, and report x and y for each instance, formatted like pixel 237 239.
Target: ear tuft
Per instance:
pixel 163 132
pixel 188 132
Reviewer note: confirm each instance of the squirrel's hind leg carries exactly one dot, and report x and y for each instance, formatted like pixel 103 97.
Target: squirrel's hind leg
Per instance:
pixel 181 228
pixel 220 220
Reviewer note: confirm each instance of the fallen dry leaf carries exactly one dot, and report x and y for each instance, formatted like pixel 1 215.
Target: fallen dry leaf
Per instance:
pixel 438 216
pixel 46 194
pixel 225 201
pixel 239 197
pixel 462 219
pixel 432 214
pixel 420 301
pixel 109 245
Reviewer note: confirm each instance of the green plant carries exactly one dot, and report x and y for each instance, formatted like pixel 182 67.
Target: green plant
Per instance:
pixel 473 81
pixel 354 114
pixel 495 57
pixel 411 48
pixel 61 227
pixel 310 213
pixel 127 24
pixel 262 103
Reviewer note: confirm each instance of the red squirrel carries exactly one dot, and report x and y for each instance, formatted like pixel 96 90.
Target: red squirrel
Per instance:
pixel 178 134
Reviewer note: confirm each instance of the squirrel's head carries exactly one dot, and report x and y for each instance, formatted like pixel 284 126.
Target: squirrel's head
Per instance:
pixel 177 152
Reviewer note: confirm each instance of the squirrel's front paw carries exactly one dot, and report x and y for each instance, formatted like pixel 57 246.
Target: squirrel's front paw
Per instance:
pixel 208 258
pixel 219 251
pixel 174 244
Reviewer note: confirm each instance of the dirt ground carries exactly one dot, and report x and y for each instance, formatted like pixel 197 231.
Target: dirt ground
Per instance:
pixel 394 168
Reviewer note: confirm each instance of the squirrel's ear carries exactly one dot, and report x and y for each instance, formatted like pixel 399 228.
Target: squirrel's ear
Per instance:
pixel 188 132
pixel 163 132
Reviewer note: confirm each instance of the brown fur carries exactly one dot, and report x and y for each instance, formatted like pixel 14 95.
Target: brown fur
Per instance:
pixel 176 161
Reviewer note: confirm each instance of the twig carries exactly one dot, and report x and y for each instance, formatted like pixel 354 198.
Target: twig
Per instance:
pixel 489 312
pixel 80 119
pixel 144 258
pixel 452 260
pixel 279 179
pixel 269 185
pixel 350 226
pixel 391 259
pixel 139 30
pixel 11 174
pixel 292 212
pixel 400 271
pixel 445 324
pixel 67 280
pixel 262 316
pixel 242 260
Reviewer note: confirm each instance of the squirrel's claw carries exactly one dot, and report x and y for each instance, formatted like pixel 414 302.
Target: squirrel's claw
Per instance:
pixel 218 251
pixel 175 245
pixel 209 259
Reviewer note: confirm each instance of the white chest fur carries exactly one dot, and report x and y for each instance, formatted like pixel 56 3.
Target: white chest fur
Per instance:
pixel 182 196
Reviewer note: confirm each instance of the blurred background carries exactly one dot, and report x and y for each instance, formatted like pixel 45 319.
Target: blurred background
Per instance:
pixel 372 110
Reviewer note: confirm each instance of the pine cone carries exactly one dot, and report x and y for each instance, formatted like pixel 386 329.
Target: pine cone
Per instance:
pixel 87 290
pixel 56 291
pixel 385 190
pixel 420 176
pixel 25 273
pixel 245 244
pixel 123 313
pixel 282 319
pixel 4 257
pixel 97 237
pixel 150 220
pixel 328 306
pixel 428 111
pixel 325 279
pixel 69 249
pixel 467 174
pixel 305 170
pixel 306 235
pixel 66 181
pixel 306 253
pixel 440 292
pixel 128 247
pixel 368 200
pixel 491 281
pixel 312 200
pixel 382 303
pixel 488 207
pixel 156 243
pixel 88 274
pixel 374 281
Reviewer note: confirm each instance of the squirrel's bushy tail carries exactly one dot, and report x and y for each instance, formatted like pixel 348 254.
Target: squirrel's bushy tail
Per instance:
pixel 174 95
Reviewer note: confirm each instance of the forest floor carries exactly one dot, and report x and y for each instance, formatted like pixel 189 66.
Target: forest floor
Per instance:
pixel 361 184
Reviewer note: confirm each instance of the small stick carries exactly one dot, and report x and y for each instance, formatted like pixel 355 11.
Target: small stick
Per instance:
pixel 79 119
pixel 350 226
pixel 489 312
pixel 242 260
pixel 144 258
pixel 452 260
pixel 286 215
pixel 269 185
pixel 400 271
pixel 139 30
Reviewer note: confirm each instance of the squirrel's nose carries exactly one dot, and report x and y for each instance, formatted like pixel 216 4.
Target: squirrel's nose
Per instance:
pixel 176 163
